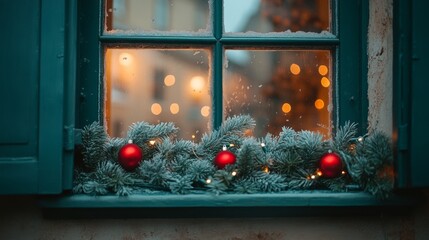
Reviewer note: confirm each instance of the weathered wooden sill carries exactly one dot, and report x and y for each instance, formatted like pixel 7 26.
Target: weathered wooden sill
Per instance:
pixel 227 205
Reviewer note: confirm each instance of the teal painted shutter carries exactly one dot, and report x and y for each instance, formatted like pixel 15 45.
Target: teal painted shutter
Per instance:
pixel 411 92
pixel 33 97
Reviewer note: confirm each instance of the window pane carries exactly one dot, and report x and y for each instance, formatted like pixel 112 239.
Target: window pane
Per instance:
pixel 155 85
pixel 280 88
pixel 264 16
pixel 137 16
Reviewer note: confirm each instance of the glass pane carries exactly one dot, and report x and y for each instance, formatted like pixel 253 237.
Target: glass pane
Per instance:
pixel 279 88
pixel 155 85
pixel 137 16
pixel 264 16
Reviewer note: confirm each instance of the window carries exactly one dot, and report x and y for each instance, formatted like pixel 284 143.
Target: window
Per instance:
pixel 285 63
pixel 40 161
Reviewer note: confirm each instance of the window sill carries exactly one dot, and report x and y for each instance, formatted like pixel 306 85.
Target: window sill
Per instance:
pixel 227 205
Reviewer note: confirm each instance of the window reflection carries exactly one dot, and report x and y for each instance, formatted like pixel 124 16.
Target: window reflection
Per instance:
pixel 279 88
pixel 134 16
pixel 155 86
pixel 264 16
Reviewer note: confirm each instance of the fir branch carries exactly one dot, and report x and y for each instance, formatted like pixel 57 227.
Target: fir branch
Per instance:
pixel 286 162
pixel 154 171
pixel 142 132
pixel 200 170
pixel 268 182
pixel 245 185
pixel 217 187
pixel 224 176
pixel 112 148
pixel 310 147
pixel 114 177
pixel 300 180
pixel 250 157
pixel 287 138
pixel 343 136
pixel 180 165
pixel 94 188
pixel 180 184
pixel 230 132
pixel 173 149
pixel 94 140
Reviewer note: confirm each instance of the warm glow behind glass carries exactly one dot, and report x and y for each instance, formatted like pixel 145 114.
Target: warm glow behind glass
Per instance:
pixel 279 88
pixel 140 16
pixel 157 85
pixel 277 15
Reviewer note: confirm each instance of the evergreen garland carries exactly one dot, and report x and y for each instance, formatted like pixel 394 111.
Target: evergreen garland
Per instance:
pixel 285 162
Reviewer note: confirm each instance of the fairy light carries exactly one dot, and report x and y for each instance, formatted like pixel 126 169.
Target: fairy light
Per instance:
pixel 266 169
pixel 234 173
pixel 319 173
pixel 343 172
pixel 152 142
pixel 208 181
pixel 262 144
pixel 231 145
pixel 313 177
pixel 360 139
pixel 193 136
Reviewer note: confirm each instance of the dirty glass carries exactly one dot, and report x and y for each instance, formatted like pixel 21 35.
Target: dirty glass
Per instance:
pixel 157 85
pixel 139 16
pixel 265 16
pixel 290 88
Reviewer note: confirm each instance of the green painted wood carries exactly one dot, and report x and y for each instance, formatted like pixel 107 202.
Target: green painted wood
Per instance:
pixel 89 84
pixel 288 199
pixel 171 40
pixel 31 148
pixel 19 96
pixel 401 90
pixel 289 41
pixel 19 60
pixel 350 92
pixel 410 91
pixel 51 115
pixel 419 130
pixel 70 93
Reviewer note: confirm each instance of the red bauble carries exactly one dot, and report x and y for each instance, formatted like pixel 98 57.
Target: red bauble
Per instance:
pixel 224 158
pixel 130 156
pixel 331 165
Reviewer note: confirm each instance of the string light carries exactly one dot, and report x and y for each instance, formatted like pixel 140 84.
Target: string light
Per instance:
pixel 233 173
pixel 360 139
pixel 208 181
pixel 262 144
pixel 343 172
pixel 319 173
pixel 152 142
pixel 231 145
pixel 313 177
pixel 266 169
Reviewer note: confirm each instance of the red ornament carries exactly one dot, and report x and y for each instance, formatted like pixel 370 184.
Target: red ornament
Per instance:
pixel 331 165
pixel 130 156
pixel 224 158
